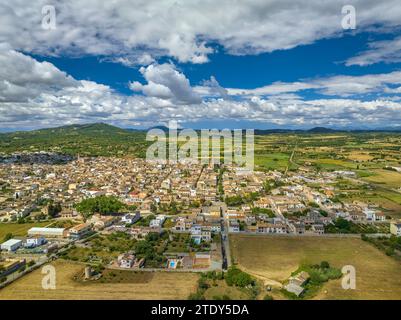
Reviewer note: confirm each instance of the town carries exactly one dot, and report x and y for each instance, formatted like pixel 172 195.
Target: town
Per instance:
pixel 127 213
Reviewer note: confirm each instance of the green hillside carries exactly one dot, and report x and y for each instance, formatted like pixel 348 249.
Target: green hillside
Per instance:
pixel 97 139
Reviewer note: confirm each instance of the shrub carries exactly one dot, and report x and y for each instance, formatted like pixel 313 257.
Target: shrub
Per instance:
pixel 236 277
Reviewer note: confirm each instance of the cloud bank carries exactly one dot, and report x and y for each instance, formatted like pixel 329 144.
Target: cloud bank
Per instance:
pixel 184 30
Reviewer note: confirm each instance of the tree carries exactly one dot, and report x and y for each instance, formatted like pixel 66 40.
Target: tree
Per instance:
pixel 101 204
pixel 236 277
pixel 8 236
pixel 54 209
pixel 234 201
pixel 153 208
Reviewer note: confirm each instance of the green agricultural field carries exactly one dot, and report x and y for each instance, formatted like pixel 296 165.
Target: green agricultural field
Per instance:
pixel 17 229
pixel 274 161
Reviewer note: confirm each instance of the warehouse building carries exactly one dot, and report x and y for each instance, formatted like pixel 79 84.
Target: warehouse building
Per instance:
pixel 11 245
pixel 47 232
pixel 9 266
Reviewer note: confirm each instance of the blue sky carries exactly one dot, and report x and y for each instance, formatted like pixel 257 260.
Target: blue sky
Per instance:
pixel 322 58
pixel 259 64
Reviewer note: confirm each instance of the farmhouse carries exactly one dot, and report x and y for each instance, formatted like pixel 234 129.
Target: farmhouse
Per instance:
pixel 296 282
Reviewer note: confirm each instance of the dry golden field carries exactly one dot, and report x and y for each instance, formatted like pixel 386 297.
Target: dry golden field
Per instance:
pixel 388 178
pixel 157 285
pixel 360 156
pixel 274 258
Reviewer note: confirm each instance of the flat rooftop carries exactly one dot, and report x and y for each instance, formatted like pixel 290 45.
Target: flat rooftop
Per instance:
pixel 39 229
pixel 11 242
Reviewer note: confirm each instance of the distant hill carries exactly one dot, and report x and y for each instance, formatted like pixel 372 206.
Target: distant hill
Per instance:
pixel 313 130
pixel 322 130
pixel 101 139
pixel 163 128
pixel 98 139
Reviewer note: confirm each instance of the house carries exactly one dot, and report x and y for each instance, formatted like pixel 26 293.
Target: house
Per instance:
pixel 215 211
pixel 214 227
pixel 182 225
pixel 250 219
pixel 34 242
pixel 297 228
pixel 100 222
pixel 136 197
pixel 199 234
pixel 317 228
pixel 373 215
pixel 201 260
pixel 233 226
pixel 296 282
pixel 126 260
pixel 212 211
pixel 369 214
pixel 271 228
pixel 395 228
pixel 67 213
pixel 79 231
pixel 130 218
pixel 11 245
pixel 263 203
pixel 141 232
pixel 157 222
pixel 380 216
pixel 295 289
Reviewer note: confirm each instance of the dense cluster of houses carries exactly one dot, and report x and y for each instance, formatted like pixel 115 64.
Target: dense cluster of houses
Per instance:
pixel 193 199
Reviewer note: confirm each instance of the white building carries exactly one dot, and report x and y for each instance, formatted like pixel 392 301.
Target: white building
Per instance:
pixel 126 260
pixel 46 232
pixel 130 218
pixel 157 222
pixel 395 228
pixel 34 242
pixel 233 226
pixel 11 245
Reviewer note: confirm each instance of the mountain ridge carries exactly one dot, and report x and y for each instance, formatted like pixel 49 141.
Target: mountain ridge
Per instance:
pixel 108 128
